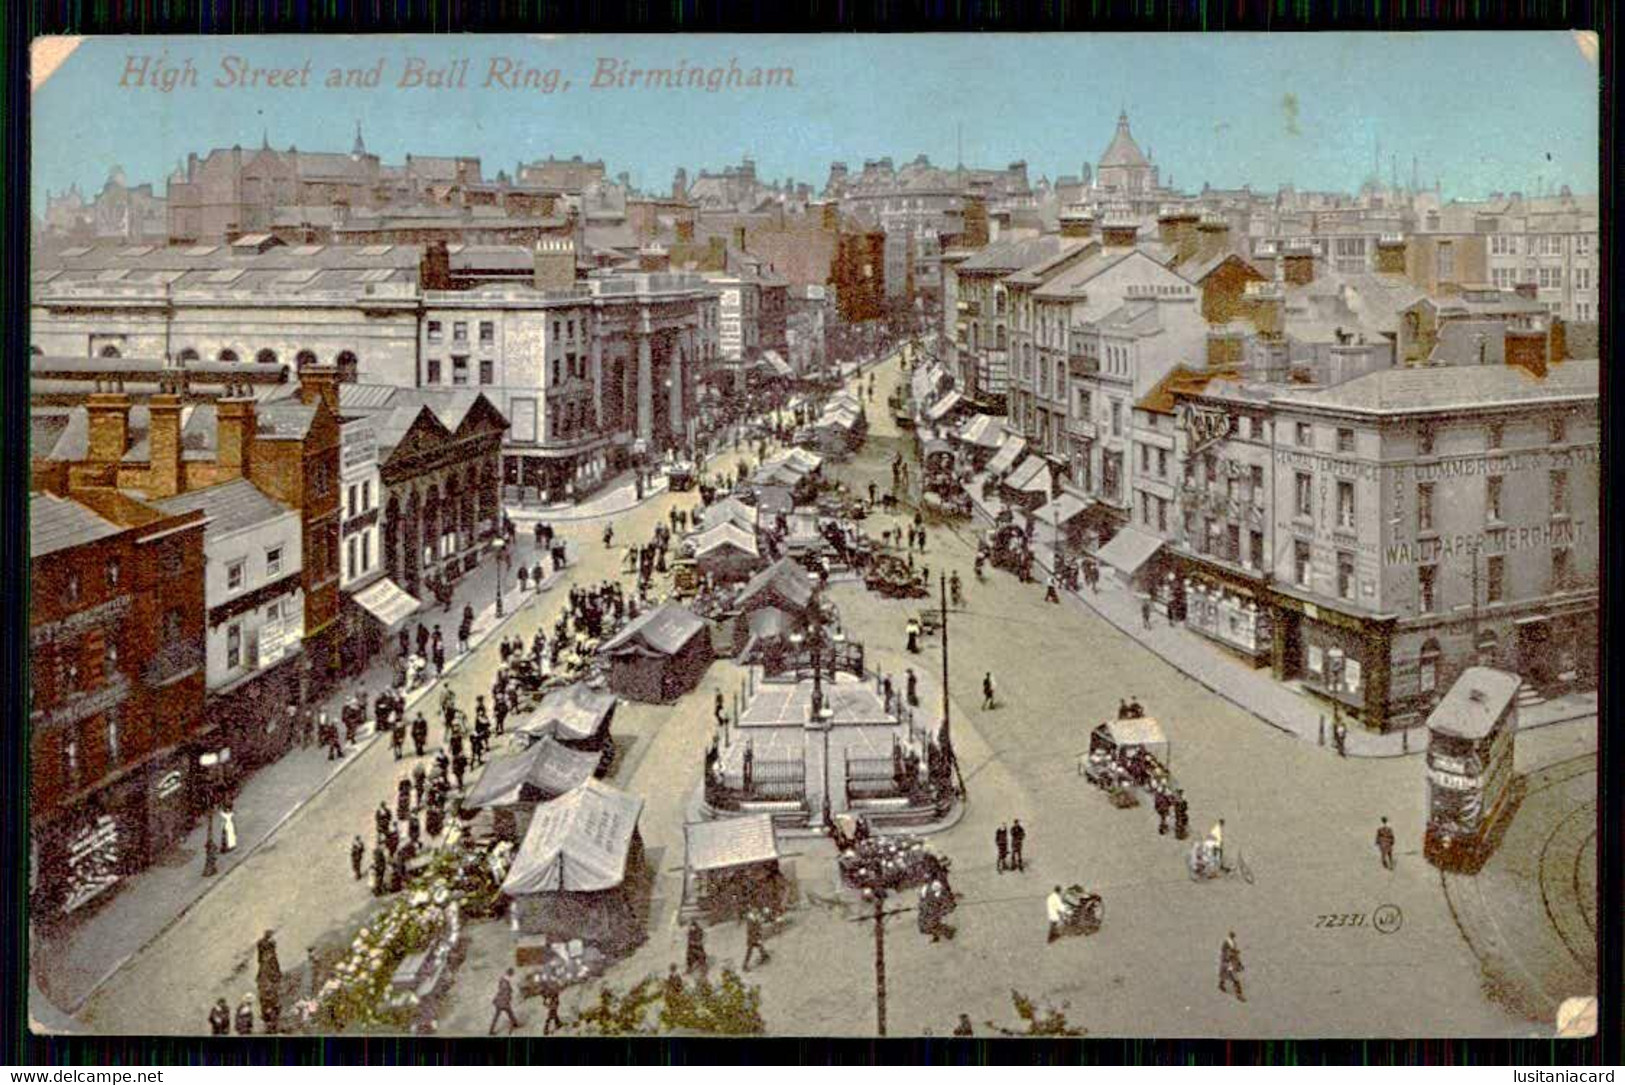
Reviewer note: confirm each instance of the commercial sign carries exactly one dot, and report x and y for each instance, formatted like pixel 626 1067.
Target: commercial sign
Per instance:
pixel 1499 541
pixel 1453 781
pixel 1316 461
pixel 1506 463
pixel 1203 425
pixel 358 446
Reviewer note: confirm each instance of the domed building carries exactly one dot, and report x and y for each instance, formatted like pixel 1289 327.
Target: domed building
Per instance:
pixel 1123 168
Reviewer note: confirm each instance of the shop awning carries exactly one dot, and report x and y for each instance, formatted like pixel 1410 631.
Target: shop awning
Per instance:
pixel 771 360
pixel 385 601
pixel 1008 454
pixel 731 842
pixel 983 431
pixel 1129 550
pixel 1032 477
pixel 942 406
pixel 1062 510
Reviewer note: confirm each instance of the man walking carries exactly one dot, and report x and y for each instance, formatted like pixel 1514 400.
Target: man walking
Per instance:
pixel 1230 966
pixel 419 781
pixel 988 703
pixel 1163 804
pixel 753 938
pixel 1385 844
pixel 358 855
pixel 502 1003
pixel 1340 733
pixel 550 1000
pixel 420 734
pixel 269 981
pixel 1001 841
pixel 380 869
pixel 912 690
pixel 1018 836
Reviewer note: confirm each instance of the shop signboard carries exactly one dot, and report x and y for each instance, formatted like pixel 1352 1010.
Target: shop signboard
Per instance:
pixel 92 863
pixel 358 447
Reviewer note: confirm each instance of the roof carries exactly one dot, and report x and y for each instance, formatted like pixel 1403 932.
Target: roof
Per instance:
pixel 283 421
pixel 1128 550
pixel 661 631
pixel 1062 509
pixel 231 507
pixel 578 843
pixel 1004 257
pixel 575 713
pixel 1180 381
pixel 544 770
pixel 725 534
pixel 56 524
pixel 786 578
pixel 729 510
pixel 1473 705
pixel 1443 388
pixel 731 842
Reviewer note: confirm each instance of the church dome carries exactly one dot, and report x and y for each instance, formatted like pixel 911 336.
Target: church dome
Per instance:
pixel 1123 151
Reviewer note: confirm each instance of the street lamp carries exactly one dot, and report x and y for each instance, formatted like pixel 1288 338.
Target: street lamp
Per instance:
pixel 500 545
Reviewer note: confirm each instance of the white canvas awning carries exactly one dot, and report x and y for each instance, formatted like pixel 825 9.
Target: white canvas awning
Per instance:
pixel 1032 477
pixel 731 842
pixel 578 843
pixel 1128 550
pixel 1008 454
pixel 386 601
pixel 1062 510
pixel 941 408
pixel 983 431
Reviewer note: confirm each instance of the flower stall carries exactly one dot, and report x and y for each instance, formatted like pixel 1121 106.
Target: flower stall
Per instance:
pixel 891 862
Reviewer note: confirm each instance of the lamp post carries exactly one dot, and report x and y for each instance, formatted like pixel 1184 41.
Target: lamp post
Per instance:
pixel 501 547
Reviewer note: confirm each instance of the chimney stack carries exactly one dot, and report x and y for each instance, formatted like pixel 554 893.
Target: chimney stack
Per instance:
pixel 654 258
pixel 554 263
pixel 1077 222
pixel 1120 234
pixel 434 270
pixel 1526 349
pixel 166 478
pixel 1176 228
pixel 234 414
pixel 320 383
pixel 975 219
pixel 1391 254
pixel 1298 266
pixel 109 426
pixel 1212 237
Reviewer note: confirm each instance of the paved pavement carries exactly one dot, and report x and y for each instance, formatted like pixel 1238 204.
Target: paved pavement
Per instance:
pixel 1253 689
pixel 67 968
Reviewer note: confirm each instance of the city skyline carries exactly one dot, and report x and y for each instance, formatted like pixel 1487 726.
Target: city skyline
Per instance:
pixel 1359 120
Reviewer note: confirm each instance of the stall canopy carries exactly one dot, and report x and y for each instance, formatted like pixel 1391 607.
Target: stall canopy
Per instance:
pixel 544 770
pixel 774 499
pixel 578 843
pixel 941 407
pixel 663 631
pixel 731 842
pixel 983 431
pixel 722 537
pixel 1032 477
pixel 935 447
pixel 784 584
pixel 1062 510
pixel 576 713
pixel 731 510
pixel 1128 550
pixel 1008 454
pixel 1475 703
pixel 386 601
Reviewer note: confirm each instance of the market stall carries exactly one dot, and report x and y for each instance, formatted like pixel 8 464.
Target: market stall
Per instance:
pixel 660 656
pixel 731 865
pixel 726 552
pixel 571 877
pixel 512 784
pixel 576 715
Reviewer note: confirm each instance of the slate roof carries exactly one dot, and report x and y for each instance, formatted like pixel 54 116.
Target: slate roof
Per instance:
pixel 1008 256
pixel 56 524
pixel 231 507
pixel 1442 388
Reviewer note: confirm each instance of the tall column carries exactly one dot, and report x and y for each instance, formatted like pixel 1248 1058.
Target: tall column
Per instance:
pixel 674 373
pixel 645 386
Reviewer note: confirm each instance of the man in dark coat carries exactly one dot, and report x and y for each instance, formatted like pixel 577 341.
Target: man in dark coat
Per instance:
pixel 754 939
pixel 403 797
pixel 358 856
pixel 220 1018
pixel 269 981
pixel 502 1003
pixel 380 819
pixel 1182 816
pixel 459 765
pixel 1018 836
pixel 550 1002
pixel 1230 966
pixel 1001 841
pixel 1385 844
pixel 696 949
pixel 1164 807
pixel 397 737
pixel 245 1016
pixel 419 781
pixel 420 734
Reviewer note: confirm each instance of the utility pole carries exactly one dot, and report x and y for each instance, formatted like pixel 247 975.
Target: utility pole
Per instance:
pixel 878 896
pixel 947 735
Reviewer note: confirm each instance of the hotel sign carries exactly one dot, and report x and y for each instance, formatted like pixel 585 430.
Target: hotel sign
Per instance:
pixel 1203 425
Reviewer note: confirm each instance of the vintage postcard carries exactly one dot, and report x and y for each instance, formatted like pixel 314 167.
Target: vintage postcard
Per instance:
pixel 835 536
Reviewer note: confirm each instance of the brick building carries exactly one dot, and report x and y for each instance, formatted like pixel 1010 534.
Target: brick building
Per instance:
pixel 116 687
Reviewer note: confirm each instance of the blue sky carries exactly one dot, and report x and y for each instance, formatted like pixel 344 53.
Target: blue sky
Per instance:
pixel 1481 112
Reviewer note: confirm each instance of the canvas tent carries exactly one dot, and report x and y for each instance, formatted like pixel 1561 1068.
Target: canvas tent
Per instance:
pixel 570 875
pixel 727 552
pixel 544 770
pixel 785 587
pixel 731 863
pixel 730 510
pixel 660 656
pixel 576 715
